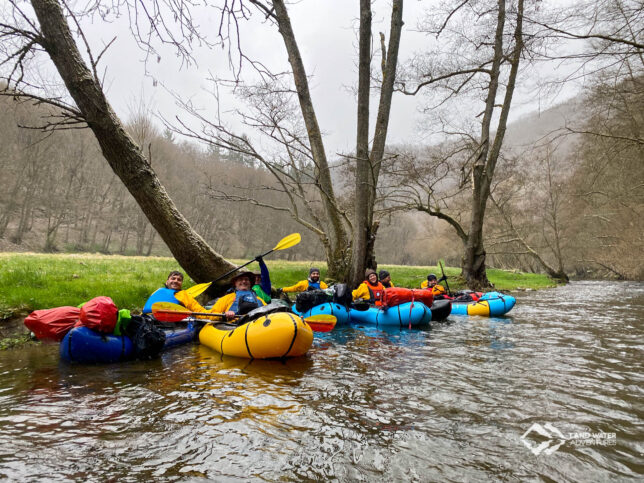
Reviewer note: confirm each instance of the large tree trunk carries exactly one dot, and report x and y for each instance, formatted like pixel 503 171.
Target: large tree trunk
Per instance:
pixel 363 166
pixel 121 152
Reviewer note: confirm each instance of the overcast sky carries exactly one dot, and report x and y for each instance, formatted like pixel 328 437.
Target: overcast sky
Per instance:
pixel 326 33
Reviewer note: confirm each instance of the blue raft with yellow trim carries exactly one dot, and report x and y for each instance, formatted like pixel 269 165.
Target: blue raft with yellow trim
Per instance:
pixel 490 304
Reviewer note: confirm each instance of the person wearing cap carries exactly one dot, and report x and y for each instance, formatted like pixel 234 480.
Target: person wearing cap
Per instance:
pixel 171 292
pixel 385 279
pixel 371 290
pixel 311 283
pixel 241 300
pixel 432 284
pixel 262 281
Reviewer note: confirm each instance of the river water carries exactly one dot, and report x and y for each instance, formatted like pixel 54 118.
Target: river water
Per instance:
pixel 449 403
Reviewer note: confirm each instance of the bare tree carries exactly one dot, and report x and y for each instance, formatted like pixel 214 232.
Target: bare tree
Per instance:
pixel 489 64
pixel 50 32
pixel 300 165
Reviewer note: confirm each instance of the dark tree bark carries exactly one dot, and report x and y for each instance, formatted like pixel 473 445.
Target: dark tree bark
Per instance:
pixel 120 151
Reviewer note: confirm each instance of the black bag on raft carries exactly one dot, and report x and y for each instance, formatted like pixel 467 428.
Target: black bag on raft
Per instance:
pixel 342 294
pixel 305 301
pixel 148 340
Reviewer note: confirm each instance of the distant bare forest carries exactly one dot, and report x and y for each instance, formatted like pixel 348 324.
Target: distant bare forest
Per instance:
pixel 572 199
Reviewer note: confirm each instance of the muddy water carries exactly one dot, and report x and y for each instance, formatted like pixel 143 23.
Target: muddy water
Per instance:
pixel 449 403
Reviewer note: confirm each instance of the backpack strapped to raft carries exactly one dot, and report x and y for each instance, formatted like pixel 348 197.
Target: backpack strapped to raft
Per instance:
pixel 305 301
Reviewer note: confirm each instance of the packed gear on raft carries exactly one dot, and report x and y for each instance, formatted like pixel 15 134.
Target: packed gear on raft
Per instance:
pixel 370 290
pixel 313 282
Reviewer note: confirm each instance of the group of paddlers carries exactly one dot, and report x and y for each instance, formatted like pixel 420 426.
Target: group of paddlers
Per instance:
pixel 250 290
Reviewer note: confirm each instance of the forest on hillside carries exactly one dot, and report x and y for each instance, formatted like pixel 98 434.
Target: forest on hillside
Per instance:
pixel 567 200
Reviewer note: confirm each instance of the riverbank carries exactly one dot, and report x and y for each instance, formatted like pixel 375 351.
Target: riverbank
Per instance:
pixel 32 281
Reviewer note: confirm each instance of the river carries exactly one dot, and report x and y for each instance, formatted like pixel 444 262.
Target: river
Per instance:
pixel 463 400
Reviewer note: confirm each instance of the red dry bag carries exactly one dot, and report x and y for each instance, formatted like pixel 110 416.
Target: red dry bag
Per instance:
pixel 99 314
pixel 52 324
pixel 398 295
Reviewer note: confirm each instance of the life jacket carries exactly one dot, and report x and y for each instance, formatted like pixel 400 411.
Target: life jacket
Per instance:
pixel 376 293
pixel 246 297
pixel 164 294
pixel 313 285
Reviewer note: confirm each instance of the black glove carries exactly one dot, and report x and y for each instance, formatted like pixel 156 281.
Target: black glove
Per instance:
pixel 442 279
pixel 259 259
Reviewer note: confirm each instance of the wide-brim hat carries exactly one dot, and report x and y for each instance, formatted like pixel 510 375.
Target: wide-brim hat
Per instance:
pixel 250 275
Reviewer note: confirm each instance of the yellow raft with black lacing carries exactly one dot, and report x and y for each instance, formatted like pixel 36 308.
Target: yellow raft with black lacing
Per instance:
pixel 277 335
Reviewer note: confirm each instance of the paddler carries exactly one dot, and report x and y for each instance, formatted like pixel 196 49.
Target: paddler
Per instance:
pixel 370 290
pixel 385 279
pixel 242 300
pixel 311 283
pixel 171 292
pixel 432 284
pixel 262 282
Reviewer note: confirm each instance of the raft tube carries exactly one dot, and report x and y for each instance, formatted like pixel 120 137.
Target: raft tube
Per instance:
pixel 402 315
pixel 87 346
pixel 441 309
pixel 274 336
pixel 340 312
pixel 491 304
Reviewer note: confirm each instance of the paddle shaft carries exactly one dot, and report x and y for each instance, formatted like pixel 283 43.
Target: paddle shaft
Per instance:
pixel 440 262
pixel 242 266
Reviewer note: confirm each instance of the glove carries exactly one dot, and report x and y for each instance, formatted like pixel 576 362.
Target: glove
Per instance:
pixel 442 279
pixel 259 259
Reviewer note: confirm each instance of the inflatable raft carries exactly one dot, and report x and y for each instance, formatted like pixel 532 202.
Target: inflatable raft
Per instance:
pixel 273 336
pixel 87 346
pixel 491 304
pixel 404 315
pixel 340 312
pixel 441 309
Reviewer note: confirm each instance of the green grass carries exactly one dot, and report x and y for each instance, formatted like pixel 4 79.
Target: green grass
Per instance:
pixel 33 281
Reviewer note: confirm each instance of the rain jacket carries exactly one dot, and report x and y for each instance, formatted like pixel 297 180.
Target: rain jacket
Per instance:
pixel 226 302
pixel 372 293
pixel 303 286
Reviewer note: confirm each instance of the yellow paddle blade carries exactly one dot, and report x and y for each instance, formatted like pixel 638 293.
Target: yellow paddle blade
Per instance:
pixel 321 322
pixel 288 241
pixel 158 306
pixel 198 289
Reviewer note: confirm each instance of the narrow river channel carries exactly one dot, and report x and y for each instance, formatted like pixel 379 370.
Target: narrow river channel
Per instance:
pixel 464 400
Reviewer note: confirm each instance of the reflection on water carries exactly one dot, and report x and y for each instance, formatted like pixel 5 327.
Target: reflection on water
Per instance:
pixel 449 402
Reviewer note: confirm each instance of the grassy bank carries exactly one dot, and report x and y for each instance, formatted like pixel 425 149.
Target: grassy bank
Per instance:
pixel 33 281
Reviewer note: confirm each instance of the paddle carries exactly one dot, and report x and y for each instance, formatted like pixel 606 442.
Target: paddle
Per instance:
pixel 169 312
pixel 440 262
pixel 286 242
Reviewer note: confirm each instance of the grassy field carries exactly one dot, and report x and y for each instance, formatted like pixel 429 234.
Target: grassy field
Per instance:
pixel 32 281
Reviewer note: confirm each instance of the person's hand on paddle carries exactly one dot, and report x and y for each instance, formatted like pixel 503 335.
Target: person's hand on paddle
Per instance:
pixel 230 314
pixel 442 279
pixel 259 259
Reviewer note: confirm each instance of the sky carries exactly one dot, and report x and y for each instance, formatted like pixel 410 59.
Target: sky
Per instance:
pixel 326 33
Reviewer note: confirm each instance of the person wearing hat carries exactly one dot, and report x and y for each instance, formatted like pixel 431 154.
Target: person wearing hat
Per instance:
pixel 241 300
pixel 371 290
pixel 385 279
pixel 172 292
pixel 311 283
pixel 432 284
pixel 262 281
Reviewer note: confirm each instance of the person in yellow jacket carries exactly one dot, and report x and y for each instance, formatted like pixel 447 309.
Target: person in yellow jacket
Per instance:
pixel 371 290
pixel 311 283
pixel 385 279
pixel 241 300
pixel 432 283
pixel 172 292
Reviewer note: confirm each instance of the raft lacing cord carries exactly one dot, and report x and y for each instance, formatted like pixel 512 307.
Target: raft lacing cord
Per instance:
pixel 294 336
pixel 411 306
pixel 246 340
